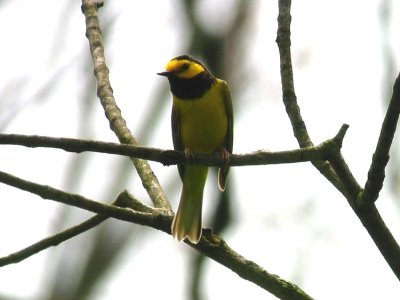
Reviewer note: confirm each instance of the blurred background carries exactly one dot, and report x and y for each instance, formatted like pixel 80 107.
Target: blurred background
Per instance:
pixel 287 218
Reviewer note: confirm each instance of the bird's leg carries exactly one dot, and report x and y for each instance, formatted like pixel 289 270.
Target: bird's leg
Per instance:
pixel 188 153
pixel 225 156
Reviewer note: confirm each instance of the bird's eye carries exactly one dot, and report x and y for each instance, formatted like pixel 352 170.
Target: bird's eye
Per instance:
pixel 185 66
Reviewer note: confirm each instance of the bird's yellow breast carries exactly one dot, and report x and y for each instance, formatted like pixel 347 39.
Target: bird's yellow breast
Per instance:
pixel 203 122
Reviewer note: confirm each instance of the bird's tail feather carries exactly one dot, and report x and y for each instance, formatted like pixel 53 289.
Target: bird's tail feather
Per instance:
pixel 187 221
pixel 222 177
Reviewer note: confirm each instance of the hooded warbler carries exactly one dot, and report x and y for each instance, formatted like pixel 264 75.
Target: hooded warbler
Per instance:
pixel 202 122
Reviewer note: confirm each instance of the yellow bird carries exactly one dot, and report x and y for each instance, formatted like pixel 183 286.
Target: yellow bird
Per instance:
pixel 202 122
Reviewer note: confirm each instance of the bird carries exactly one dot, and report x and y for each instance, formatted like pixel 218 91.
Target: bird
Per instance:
pixel 202 122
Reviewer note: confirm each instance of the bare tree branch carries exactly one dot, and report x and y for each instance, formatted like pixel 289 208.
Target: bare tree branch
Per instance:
pixel 376 174
pixel 123 201
pixel 50 193
pixel 210 244
pixel 170 157
pixel 336 170
pixel 289 95
pixel 111 109
pixel 56 239
pixel 53 240
pixel 216 248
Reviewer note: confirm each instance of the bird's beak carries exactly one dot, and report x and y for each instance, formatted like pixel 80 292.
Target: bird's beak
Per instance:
pixel 166 73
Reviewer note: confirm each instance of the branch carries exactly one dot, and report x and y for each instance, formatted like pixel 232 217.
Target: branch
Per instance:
pixel 170 157
pixel 50 193
pixel 55 239
pixel 289 95
pixel 111 109
pixel 336 169
pixel 369 216
pixel 217 249
pixel 376 173
pixel 124 199
pixel 210 244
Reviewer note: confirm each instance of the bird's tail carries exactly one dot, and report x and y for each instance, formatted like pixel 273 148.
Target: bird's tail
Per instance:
pixel 187 221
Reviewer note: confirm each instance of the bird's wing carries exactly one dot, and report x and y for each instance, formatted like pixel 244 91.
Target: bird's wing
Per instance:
pixel 229 112
pixel 176 137
pixel 228 144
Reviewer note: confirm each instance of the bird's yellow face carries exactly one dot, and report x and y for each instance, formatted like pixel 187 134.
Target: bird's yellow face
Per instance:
pixel 184 68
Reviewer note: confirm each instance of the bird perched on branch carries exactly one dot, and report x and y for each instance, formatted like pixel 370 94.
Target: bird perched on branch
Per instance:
pixel 202 122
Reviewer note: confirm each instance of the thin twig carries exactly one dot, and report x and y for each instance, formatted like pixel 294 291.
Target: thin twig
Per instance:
pixel 123 200
pixel 376 174
pixel 170 157
pixel 111 109
pixel 55 239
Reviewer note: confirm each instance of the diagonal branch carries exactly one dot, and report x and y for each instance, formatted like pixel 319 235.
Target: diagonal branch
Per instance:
pixel 210 244
pixel 336 169
pixel 289 95
pixel 217 249
pixel 111 109
pixel 50 193
pixel 376 173
pixel 123 200
pixel 55 239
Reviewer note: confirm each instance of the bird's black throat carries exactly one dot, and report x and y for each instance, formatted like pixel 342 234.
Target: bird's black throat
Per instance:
pixel 191 88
